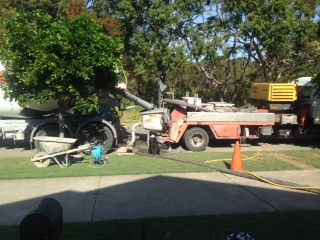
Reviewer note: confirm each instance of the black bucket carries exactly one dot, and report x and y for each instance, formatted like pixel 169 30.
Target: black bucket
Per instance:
pixel 43 222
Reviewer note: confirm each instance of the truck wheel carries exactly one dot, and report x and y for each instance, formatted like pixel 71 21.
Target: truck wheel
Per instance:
pixel 47 130
pixel 196 139
pixel 50 130
pixel 41 163
pixel 97 132
pixel 108 139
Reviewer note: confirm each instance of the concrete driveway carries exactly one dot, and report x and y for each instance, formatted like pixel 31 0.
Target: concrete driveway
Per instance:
pixel 89 199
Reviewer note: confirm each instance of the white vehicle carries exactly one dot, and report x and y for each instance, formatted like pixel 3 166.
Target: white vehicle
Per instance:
pixel 17 123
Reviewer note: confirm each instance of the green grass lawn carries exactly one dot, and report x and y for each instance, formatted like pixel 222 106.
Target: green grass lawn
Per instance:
pixel 262 226
pixel 23 168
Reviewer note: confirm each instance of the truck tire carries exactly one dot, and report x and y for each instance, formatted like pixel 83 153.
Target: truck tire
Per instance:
pixel 50 130
pixel 196 139
pixel 109 139
pixel 97 132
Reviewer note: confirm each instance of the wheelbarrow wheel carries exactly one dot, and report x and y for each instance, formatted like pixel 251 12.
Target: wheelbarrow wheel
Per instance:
pixel 43 162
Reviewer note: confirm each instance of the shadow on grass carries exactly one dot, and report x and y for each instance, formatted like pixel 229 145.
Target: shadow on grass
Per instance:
pixel 227 164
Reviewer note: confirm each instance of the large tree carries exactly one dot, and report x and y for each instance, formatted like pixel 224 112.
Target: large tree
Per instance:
pixel 276 34
pixel 268 37
pixel 150 32
pixel 6 11
pixel 316 52
pixel 230 42
pixel 48 58
pixel 9 8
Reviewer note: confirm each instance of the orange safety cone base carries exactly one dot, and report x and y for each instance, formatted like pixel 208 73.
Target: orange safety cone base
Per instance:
pixel 236 164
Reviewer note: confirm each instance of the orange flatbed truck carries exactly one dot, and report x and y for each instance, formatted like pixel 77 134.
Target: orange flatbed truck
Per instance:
pixel 195 128
pixel 276 112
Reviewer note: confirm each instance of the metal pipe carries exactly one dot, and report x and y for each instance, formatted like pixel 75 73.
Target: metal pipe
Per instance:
pixel 133 133
pixel 135 99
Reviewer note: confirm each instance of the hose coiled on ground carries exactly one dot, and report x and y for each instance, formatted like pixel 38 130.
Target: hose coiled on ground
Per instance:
pixel 248 175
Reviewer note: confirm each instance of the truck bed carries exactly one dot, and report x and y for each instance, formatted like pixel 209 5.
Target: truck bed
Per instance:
pixel 233 117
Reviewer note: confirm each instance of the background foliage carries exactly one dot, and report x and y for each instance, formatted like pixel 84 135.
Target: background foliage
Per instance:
pixel 215 48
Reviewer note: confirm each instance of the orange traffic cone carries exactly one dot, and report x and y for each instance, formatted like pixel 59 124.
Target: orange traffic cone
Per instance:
pixel 236 164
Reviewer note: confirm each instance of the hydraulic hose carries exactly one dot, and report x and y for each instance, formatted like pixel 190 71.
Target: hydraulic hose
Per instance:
pixel 248 158
pixel 248 175
pixel 281 185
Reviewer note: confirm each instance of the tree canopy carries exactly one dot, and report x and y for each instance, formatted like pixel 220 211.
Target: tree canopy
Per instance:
pixel 231 43
pixel 48 58
pixel 218 46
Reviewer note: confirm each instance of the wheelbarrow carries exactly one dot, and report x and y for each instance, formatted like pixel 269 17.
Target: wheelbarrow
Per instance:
pixel 53 147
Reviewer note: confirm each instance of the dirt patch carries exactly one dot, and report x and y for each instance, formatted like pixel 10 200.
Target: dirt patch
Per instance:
pixel 256 158
pixel 292 160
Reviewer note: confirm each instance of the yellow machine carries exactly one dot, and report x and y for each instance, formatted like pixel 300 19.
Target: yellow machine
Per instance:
pixel 274 92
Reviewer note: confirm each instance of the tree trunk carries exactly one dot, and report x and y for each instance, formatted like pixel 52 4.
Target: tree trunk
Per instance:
pixel 61 121
pixel 63 103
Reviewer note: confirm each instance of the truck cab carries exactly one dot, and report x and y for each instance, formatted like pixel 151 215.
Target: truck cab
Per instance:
pixel 307 98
